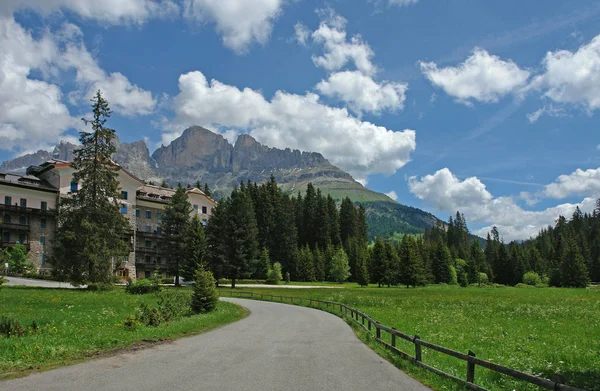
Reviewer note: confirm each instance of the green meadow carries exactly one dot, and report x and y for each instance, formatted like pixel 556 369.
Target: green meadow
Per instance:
pixel 541 331
pixel 77 324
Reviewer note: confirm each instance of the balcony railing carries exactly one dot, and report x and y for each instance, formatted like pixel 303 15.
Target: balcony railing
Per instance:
pixel 12 244
pixel 16 227
pixel 147 234
pixel 23 209
pixel 150 250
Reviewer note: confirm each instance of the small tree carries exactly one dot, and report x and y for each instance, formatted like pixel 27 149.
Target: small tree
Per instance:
pixel 531 278
pixel 274 275
pixel 264 265
pixel 205 295
pixel 340 269
pixel 195 249
pixel 17 259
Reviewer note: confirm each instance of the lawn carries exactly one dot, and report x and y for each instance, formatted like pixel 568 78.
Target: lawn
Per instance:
pixel 541 331
pixel 76 324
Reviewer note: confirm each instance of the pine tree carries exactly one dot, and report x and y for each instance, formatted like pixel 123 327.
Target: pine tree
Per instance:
pixel 441 264
pixel 347 221
pixel 264 265
pixel 306 268
pixel 90 240
pixel 334 222
pixel 309 217
pixel 216 246
pixel 340 269
pixel 362 272
pixel 206 189
pixel 380 264
pixel 176 228
pixel 195 248
pixel 285 237
pixel 412 273
pixel 205 296
pixel 573 272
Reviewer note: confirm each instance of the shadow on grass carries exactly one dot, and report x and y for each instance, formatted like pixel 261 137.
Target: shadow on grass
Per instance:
pixel 584 379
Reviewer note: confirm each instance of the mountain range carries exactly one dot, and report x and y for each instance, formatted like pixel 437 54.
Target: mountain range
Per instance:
pixel 201 155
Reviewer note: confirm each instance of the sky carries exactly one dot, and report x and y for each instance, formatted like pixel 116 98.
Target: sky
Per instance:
pixel 490 108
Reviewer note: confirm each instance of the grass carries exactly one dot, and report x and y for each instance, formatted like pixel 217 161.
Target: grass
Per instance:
pixel 78 324
pixel 541 331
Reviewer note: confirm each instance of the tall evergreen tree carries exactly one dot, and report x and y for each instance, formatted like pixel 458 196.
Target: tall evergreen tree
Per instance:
pixel 441 264
pixel 573 272
pixel 195 248
pixel 412 273
pixel 89 243
pixel 381 270
pixel 362 272
pixel 175 224
pixel 347 221
pixel 306 267
pixel 206 190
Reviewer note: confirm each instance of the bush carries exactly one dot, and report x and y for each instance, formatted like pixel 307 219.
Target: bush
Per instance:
pixel 2 282
pixel 167 280
pixel 521 285
pixel 205 295
pixel 483 278
pixel 100 286
pixel 131 323
pixel 532 278
pixel 453 276
pixel 174 304
pixel 274 274
pixel 142 287
pixel 11 327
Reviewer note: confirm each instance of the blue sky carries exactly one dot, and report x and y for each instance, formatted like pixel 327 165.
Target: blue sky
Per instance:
pixel 486 107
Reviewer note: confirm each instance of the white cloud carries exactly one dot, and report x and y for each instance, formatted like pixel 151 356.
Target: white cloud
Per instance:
pixel 572 77
pixel 337 50
pixel 482 77
pixel 240 22
pixel 579 182
pixel 32 112
pixel 301 33
pixel 392 194
pixel 295 121
pixel 444 191
pixel 548 110
pixel 110 11
pixel 362 93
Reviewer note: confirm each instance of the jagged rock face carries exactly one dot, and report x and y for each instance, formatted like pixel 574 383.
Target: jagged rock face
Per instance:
pixel 136 159
pixel 63 151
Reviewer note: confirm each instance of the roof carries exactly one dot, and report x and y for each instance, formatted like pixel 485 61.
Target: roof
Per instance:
pixel 28 181
pixel 164 194
pixel 57 163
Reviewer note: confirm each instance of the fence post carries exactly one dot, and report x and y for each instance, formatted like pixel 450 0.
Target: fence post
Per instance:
pixel 363 319
pixel 471 369
pixel 417 348
pixel 369 325
pixel 378 330
pixel 393 338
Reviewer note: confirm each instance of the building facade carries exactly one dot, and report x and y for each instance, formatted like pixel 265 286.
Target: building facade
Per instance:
pixel 29 210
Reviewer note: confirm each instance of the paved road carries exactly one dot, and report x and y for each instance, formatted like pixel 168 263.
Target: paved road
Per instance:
pixel 278 347
pixel 18 281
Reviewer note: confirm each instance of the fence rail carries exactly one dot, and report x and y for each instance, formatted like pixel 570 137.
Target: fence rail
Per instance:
pixel 375 328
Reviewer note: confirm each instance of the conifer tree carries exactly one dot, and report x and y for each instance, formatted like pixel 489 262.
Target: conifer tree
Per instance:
pixel 216 243
pixel 347 221
pixel 412 273
pixel 362 272
pixel 340 269
pixel 195 248
pixel 205 296
pixel 206 190
pixel 380 264
pixel 573 272
pixel 89 243
pixel 306 268
pixel 176 228
pixel 285 236
pixel 334 222
pixel 441 264
pixel 264 265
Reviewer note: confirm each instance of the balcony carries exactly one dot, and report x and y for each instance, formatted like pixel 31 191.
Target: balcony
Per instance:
pixel 23 210
pixel 147 250
pixel 146 234
pixel 12 244
pixel 15 227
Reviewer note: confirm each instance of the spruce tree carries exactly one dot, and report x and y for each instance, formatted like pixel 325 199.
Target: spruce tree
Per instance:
pixel 195 248
pixel 573 272
pixel 216 246
pixel 441 264
pixel 205 296
pixel 264 265
pixel 340 269
pixel 206 190
pixel 89 243
pixel 362 273
pixel 380 264
pixel 306 268
pixel 347 221
pixel 412 273
pixel 176 231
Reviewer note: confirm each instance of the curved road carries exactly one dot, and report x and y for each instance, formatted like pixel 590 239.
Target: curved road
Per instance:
pixel 277 347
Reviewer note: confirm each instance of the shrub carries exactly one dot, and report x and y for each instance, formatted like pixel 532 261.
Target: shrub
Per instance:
pixel 142 287
pixel 483 278
pixel 274 274
pixel 453 276
pixel 174 304
pixel 10 327
pixel 521 285
pixel 149 316
pixel 205 295
pixel 131 323
pixel 100 286
pixel 167 280
pixel 2 282
pixel 532 278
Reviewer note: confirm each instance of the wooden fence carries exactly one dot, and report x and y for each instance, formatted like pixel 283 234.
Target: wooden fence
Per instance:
pixel 376 329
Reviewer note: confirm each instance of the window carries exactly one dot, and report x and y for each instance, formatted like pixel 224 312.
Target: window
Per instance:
pixel 22 220
pixel 123 195
pixel 6 237
pixel 204 222
pixel 196 208
pixel 204 209
pixel 23 203
pixel 137 213
pixel 44 205
pixel 22 238
pixel 148 214
pixel 148 274
pixel 148 228
pixel 159 215
pixel 42 258
pixel 148 244
pixel 43 223
pixel 42 240
pixel 7 219
pixel 158 230
pixel 124 209
pixel 74 186
pixel 7 200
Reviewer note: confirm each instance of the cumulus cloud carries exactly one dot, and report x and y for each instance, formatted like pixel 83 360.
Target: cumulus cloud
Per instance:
pixel 392 194
pixel 337 50
pixel 240 22
pixel 482 77
pixel 572 77
pixel 444 191
pixel 110 11
pixel 362 93
pixel 295 121
pixel 579 182
pixel 302 33
pixel 32 111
